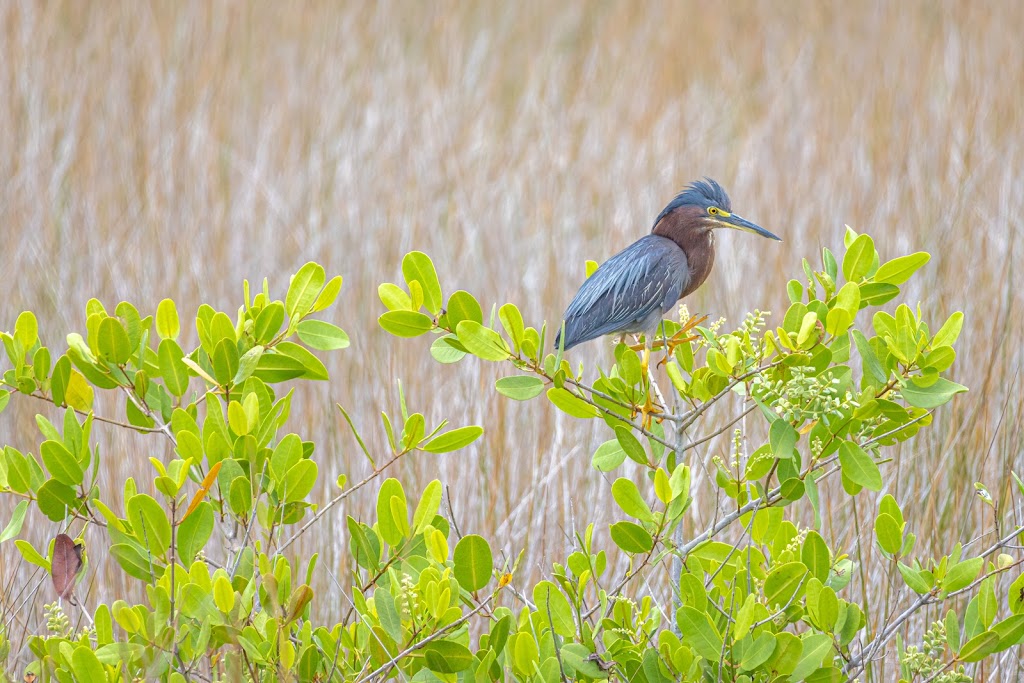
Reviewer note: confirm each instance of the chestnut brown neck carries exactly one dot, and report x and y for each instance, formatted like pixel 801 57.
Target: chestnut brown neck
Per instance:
pixel 684 227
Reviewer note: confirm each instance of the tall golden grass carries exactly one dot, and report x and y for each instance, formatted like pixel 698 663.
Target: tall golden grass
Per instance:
pixel 173 149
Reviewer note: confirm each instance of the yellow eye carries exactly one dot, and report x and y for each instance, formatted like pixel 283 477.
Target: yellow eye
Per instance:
pixel 713 210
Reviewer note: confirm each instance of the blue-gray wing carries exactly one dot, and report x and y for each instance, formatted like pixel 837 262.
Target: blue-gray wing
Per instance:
pixel 627 291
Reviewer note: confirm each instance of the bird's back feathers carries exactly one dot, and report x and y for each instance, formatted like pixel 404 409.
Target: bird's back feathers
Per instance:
pixel 627 291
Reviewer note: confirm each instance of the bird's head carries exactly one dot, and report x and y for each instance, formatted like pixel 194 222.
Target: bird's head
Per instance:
pixel 701 207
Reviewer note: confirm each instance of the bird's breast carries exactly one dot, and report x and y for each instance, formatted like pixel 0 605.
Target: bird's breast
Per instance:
pixel 700 257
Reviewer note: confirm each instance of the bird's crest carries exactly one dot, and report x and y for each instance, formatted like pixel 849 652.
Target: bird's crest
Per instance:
pixel 702 193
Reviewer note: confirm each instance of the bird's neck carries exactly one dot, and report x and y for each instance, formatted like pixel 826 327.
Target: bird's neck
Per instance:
pixel 698 243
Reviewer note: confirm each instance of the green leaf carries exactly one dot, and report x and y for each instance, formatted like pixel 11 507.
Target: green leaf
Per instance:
pixel 913 578
pixel 167 324
pixel 838 321
pixel 447 657
pixel 979 647
pixel 31 555
pixel 112 342
pixel 950 331
pixel 630 537
pixel 60 379
pixel 877 293
pixel 888 533
pixel 939 358
pixel 481 341
pixel 899 270
pixel 1010 631
pixel 512 320
pixel 412 431
pixel 952 631
pixel 1015 595
pixel 268 322
pixel 61 464
pixel 934 395
pixel 783 582
pixel 446 349
pixel 868 358
pixel 247 364
pixel 795 291
pixel 40 364
pixel 463 306
pixel 417 266
pixel 133 561
pixel 815 556
pixel 816 647
pixel 571 404
pixel 194 531
pixel 287 452
pixel 321 335
pixel 275 367
pixel 237 419
pixel 26 331
pixel 828 608
pixel 962 574
pixel 303 289
pixel 700 633
pixel 807 326
pixel 240 495
pixel 13 527
pixel 387 613
pixel 454 439
pixel 389 527
pixel 473 562
pixel 788 649
pixel 631 445
pixel 172 369
pixel 427 507
pixel 328 295
pixel 394 297
pixel 86 666
pixel 793 488
pixel 299 481
pixel 987 605
pixel 841 316
pixel 549 599
pixel 55 500
pixel 225 361
pixel 858 259
pixel 629 499
pixel 758 653
pixel 149 523
pixel 405 323
pixel 859 467
pixel 313 366
pixel 223 594
pixel 783 438
pixel 520 387
pixel 608 456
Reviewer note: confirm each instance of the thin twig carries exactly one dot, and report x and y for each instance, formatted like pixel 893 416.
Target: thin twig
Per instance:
pixel 387 666
pixel 340 497
pixel 857 664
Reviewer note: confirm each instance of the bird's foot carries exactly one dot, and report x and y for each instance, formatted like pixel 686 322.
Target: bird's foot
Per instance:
pixel 649 412
pixel 682 336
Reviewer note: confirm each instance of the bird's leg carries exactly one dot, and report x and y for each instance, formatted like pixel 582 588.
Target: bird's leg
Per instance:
pixel 648 408
pixel 680 337
pixel 683 336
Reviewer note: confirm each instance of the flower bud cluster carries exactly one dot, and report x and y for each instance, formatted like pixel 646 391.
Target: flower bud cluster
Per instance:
pixel 926 661
pixel 804 396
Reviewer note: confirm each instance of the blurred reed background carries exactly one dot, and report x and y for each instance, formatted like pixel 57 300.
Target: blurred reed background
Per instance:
pixel 175 148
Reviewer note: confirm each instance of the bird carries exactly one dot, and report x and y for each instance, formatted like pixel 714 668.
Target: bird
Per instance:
pixel 633 290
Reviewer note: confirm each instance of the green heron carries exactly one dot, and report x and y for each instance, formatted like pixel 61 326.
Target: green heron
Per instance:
pixel 632 291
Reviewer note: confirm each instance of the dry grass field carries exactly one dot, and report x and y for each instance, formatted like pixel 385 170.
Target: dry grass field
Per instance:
pixel 152 149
